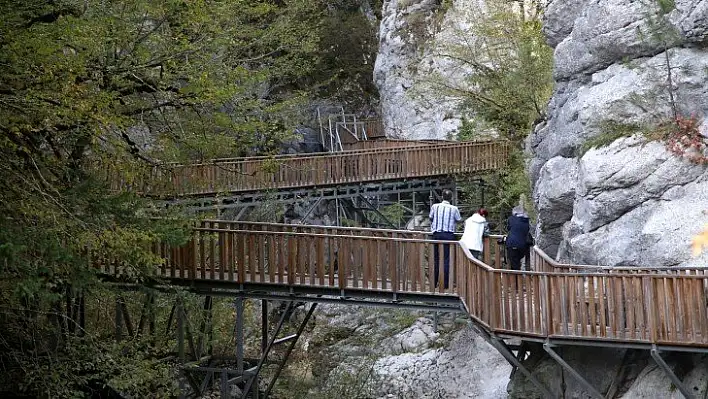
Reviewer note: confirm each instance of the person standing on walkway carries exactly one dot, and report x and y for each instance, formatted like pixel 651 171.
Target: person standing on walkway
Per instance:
pixel 476 228
pixel 518 227
pixel 443 217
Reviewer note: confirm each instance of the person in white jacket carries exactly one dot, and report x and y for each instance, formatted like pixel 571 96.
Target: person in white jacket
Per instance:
pixel 476 227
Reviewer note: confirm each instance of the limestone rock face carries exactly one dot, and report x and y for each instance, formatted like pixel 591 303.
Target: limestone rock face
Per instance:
pixel 393 353
pixel 598 366
pixel 464 369
pixel 415 338
pixel 615 205
pixel 555 195
pixel 628 201
pixel 412 38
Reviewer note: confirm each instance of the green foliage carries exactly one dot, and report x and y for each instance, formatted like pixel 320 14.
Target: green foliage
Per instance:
pixel 124 367
pixel 93 92
pixel 507 89
pixel 660 32
pixel 511 70
pixel 394 213
pixel 349 42
pixel 610 131
pixel 473 129
pixel 504 188
pixel 344 382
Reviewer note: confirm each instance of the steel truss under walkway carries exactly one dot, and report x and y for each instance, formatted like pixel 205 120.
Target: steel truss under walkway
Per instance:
pixel 350 199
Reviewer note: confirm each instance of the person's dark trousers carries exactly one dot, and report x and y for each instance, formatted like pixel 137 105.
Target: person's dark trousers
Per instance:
pixel 515 255
pixel 442 236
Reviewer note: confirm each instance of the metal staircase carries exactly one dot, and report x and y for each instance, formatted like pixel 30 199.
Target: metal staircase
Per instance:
pixel 337 130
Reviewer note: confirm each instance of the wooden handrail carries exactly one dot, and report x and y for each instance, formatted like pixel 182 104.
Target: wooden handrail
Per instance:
pixel 254 174
pixel 402 145
pixel 645 307
pixel 544 262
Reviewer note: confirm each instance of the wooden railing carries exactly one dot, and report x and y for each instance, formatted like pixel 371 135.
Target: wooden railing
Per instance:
pixel 545 263
pixel 661 307
pixel 653 306
pixel 492 254
pixel 342 261
pixel 390 143
pixel 262 173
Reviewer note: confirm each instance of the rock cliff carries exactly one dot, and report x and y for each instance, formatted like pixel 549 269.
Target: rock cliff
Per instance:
pixel 369 353
pixel 628 201
pixel 411 67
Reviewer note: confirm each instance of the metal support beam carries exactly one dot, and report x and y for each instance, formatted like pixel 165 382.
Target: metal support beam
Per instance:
pixel 205 329
pixel 82 313
pixel 264 355
pixel 593 392
pixel 373 208
pixel 180 330
pixel 241 212
pixel 309 211
pixel 290 348
pixel 264 325
pixel 656 355
pixel 151 321
pixel 119 320
pixel 239 334
pixel 501 347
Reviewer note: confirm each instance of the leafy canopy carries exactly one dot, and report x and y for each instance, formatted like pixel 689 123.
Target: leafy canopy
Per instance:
pixel 101 85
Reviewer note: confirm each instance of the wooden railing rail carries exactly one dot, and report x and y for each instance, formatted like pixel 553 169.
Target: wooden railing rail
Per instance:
pixel 544 262
pixel 217 252
pixel 377 149
pixel 344 167
pixel 320 229
pixel 639 307
pixel 644 307
pixel 492 254
pixel 391 143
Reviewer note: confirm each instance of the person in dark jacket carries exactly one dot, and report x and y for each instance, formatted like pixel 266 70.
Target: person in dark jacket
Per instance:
pixel 518 227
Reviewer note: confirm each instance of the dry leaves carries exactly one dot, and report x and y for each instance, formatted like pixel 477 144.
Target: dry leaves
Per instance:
pixel 700 242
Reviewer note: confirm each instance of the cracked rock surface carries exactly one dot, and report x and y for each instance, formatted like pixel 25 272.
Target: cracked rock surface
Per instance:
pixel 374 353
pixel 629 201
pixel 414 37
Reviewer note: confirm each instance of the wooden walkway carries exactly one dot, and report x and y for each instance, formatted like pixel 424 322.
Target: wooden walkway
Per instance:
pixel 666 306
pixel 317 170
pixel 625 306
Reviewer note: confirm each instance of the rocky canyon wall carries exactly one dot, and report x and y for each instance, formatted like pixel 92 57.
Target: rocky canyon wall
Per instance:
pixel 415 78
pixel 630 202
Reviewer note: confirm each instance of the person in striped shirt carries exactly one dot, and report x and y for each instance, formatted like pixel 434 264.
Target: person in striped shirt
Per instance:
pixel 443 217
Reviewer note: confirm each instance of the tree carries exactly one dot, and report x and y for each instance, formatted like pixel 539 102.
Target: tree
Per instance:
pixel 510 68
pixel 507 88
pixel 92 85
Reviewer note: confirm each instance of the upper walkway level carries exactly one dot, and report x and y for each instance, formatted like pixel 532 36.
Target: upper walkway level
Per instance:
pixel 398 162
pixel 554 302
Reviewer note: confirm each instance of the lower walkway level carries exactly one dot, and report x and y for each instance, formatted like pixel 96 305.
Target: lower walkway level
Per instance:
pixel 657 309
